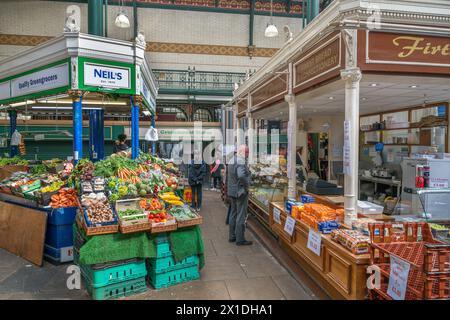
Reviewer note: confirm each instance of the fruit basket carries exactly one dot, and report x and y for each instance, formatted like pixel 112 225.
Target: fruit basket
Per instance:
pixel 100 227
pixel 169 225
pixel 132 217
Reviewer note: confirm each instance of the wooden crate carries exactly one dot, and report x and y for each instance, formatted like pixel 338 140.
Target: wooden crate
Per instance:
pixel 190 222
pixel 130 226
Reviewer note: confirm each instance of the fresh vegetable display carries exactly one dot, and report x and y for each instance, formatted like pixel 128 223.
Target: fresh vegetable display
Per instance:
pixel 171 198
pixel 92 199
pixel 158 217
pixel 131 214
pixel 38 169
pixel 182 213
pixel 55 186
pixel 13 161
pixel 152 204
pixel 64 199
pixel 100 213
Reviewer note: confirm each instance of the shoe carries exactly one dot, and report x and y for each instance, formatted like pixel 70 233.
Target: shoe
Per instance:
pixel 231 240
pixel 244 243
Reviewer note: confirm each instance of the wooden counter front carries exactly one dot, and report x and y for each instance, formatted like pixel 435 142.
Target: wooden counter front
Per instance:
pixel 341 273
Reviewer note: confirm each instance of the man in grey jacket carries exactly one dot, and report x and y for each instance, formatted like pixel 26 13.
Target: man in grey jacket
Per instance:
pixel 238 181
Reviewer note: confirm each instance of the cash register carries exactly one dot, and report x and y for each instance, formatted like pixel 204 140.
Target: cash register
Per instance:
pixel 323 188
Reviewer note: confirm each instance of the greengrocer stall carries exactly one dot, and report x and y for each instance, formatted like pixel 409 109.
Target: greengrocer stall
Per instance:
pixel 117 214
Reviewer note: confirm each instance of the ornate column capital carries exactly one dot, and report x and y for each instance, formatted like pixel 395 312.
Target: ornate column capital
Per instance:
pixel 351 76
pixel 290 99
pixel 75 94
pixel 138 99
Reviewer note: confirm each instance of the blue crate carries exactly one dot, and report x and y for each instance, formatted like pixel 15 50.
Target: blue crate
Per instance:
pixel 59 236
pixel 167 279
pixel 58 255
pixel 161 265
pixel 61 216
pixel 101 277
pixel 89 224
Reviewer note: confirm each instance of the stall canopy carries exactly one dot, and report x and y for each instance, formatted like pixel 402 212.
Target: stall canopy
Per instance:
pixel 80 71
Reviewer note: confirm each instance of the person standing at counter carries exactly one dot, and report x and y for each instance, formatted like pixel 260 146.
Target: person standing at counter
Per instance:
pixel 238 182
pixel 301 170
pixel 197 172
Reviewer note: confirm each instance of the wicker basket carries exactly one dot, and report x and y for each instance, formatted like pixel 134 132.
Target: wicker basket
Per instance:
pixel 190 222
pixel 92 231
pixel 165 227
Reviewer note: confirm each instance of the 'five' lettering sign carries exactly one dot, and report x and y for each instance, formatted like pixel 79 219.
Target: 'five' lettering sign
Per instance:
pixel 106 76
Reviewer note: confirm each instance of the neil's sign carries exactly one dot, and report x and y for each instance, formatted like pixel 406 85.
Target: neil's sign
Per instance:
pixel 106 76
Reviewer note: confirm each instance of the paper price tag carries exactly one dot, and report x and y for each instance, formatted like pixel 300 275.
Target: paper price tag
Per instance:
pixel 398 278
pixel 289 226
pixel 276 215
pixel 314 241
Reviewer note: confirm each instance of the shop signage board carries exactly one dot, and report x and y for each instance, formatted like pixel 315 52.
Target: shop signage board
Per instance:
pixel 147 95
pixel 289 226
pixel 319 64
pixel 396 52
pixel 314 241
pixel 273 91
pixel 276 215
pixel 398 278
pixel 180 133
pixel 438 183
pixel 36 83
pixel 106 76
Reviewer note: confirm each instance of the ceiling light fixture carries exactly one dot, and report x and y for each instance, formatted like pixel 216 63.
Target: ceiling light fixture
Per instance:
pixel 271 29
pixel 374 84
pixel 331 98
pixel 122 20
pixel 413 86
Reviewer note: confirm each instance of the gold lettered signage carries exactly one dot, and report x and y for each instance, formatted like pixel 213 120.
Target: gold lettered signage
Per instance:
pixel 271 92
pixel 427 53
pixel 319 64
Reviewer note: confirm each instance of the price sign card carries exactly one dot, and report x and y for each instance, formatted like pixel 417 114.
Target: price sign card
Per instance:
pixel 276 215
pixel 314 241
pixel 289 226
pixel 398 278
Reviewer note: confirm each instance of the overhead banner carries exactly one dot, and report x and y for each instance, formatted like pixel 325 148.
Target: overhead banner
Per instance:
pixel 99 75
pixel 182 133
pixel 46 79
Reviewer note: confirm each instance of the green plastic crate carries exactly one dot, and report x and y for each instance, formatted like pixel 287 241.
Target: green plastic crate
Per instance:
pixel 162 238
pixel 167 279
pixel 118 290
pixel 161 265
pixel 163 250
pixel 114 274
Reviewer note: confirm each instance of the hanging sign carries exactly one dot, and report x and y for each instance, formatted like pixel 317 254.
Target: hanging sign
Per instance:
pixel 50 78
pixel 106 76
pixel 276 215
pixel 398 278
pixel 347 161
pixel 314 241
pixel 289 226
pixel 5 90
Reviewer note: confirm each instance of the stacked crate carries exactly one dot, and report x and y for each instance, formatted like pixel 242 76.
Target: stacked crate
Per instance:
pixel 164 271
pixel 429 259
pixel 58 238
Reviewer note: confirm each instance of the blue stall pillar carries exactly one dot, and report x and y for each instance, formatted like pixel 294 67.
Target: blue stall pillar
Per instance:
pixel 96 135
pixel 134 129
pixel 77 106
pixel 153 124
pixel 13 150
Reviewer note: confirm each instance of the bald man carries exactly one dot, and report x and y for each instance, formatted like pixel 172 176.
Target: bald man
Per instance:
pixel 238 181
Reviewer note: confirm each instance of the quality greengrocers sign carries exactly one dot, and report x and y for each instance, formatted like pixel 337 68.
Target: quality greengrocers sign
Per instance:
pixel 35 82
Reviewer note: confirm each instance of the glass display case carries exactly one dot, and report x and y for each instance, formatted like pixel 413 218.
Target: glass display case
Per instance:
pixel 269 182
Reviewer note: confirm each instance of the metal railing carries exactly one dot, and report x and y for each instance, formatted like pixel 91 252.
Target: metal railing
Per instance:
pixel 191 81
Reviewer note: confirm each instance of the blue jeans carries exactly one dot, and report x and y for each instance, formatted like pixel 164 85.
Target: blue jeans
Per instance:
pixel 196 196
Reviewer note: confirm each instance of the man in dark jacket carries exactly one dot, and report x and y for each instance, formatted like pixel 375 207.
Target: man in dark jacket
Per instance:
pixel 238 181
pixel 197 172
pixel 120 144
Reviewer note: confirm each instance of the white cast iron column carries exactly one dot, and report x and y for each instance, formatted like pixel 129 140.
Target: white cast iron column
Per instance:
pixel 352 78
pixel 251 137
pixel 292 144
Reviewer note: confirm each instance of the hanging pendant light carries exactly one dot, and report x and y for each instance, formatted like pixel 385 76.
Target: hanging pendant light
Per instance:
pixel 271 29
pixel 122 20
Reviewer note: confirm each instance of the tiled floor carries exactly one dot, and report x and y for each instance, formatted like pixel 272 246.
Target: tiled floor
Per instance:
pixel 231 272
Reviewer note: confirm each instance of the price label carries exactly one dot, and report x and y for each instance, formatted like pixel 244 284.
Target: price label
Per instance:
pixel 289 226
pixel 398 278
pixel 314 241
pixel 276 215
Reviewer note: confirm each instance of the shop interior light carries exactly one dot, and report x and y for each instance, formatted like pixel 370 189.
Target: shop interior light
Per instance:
pixel 413 86
pixel 271 29
pixel 60 108
pixel 374 84
pixel 331 98
pixel 89 102
pixel 23 103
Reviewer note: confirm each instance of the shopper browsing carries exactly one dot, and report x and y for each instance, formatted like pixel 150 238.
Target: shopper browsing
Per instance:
pixel 120 144
pixel 238 180
pixel 216 174
pixel 197 172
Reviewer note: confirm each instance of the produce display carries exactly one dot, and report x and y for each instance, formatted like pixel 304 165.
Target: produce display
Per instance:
pixel 99 213
pixel 183 213
pixel 65 198
pixel 171 198
pixel 13 161
pixel 55 186
pixel 319 217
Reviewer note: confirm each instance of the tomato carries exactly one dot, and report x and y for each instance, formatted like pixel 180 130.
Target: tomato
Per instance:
pixel 157 220
pixel 163 216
